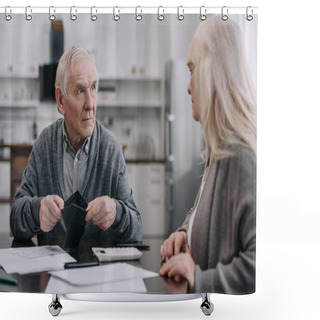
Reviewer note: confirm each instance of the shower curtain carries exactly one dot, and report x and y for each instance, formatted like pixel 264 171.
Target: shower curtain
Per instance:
pixel 144 102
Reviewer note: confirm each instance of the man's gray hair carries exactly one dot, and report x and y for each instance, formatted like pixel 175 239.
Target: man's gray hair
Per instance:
pixel 65 66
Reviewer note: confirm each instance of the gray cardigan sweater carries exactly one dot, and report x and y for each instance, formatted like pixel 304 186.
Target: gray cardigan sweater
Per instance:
pixel 224 231
pixel 105 175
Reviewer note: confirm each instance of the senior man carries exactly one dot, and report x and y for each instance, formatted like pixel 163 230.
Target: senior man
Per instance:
pixel 76 153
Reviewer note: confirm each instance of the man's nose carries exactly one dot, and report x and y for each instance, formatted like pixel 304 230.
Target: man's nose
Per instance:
pixel 89 101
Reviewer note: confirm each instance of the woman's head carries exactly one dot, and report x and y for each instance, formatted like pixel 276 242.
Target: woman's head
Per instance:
pixel 220 86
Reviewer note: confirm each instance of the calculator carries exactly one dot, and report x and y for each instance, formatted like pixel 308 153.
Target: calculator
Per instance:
pixel 116 253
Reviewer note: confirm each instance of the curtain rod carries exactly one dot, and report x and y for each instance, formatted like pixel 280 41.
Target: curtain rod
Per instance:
pixel 94 11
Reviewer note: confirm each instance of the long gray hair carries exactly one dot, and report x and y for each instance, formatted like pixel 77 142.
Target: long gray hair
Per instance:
pixel 225 95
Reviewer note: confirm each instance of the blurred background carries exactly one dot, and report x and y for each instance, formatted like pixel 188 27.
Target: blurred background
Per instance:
pixel 142 99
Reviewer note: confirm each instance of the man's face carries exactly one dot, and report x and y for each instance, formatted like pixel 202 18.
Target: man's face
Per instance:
pixel 80 104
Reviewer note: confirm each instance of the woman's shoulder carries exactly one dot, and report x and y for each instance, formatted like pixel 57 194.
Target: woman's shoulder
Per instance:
pixel 241 161
pixel 243 153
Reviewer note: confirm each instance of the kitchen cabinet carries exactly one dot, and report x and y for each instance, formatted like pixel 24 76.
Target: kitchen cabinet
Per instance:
pixel 11 171
pixel 4 194
pixel 19 161
pixel 19 92
pixel 5 181
pixel 148 185
pixel 22 49
pixel 4 219
pixel 141 47
pixel 19 155
pixel 98 37
pixel 123 49
pixel 131 92
pixel 133 109
pixel 6 35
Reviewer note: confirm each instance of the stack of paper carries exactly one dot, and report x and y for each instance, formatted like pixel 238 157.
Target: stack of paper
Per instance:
pixel 33 259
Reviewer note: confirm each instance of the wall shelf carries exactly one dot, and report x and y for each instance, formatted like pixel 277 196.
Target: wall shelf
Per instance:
pixel 20 104
pixel 130 104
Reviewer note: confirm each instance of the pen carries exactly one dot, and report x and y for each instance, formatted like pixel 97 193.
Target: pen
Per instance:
pixel 9 281
pixel 71 265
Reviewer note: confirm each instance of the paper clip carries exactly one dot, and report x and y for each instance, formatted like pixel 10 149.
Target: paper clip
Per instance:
pixel 224 13
pixel 73 16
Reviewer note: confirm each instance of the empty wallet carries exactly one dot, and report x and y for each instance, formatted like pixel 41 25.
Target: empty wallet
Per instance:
pixel 74 214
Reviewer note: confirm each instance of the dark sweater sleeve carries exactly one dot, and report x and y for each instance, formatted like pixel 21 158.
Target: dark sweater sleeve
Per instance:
pixel 24 217
pixel 236 276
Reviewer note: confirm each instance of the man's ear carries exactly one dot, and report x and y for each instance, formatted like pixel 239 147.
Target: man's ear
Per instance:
pixel 60 100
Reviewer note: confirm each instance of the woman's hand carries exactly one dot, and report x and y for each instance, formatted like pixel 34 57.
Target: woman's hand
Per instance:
pixel 180 265
pixel 175 244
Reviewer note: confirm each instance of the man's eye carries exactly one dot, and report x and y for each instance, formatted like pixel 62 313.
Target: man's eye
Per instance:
pixel 93 87
pixel 80 90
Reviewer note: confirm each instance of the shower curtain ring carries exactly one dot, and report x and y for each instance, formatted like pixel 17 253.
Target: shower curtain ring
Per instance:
pixel 94 17
pixel 28 13
pixel 249 16
pixel 180 13
pixel 73 16
pixel 8 17
pixel 160 15
pixel 116 16
pixel 52 17
pixel 203 13
pixel 224 13
pixel 138 16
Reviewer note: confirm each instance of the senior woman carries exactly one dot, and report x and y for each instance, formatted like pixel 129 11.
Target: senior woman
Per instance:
pixel 215 247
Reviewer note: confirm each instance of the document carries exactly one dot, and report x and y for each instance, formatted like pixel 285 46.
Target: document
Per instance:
pixel 33 259
pixel 57 285
pixel 115 277
pixel 105 273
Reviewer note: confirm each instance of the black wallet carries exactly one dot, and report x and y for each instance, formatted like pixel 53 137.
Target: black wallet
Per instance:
pixel 74 214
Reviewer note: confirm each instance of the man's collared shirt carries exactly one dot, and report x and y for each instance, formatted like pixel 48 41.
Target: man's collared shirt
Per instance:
pixel 74 165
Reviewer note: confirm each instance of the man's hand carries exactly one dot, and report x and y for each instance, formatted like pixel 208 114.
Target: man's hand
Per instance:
pixel 102 212
pixel 50 212
pixel 175 244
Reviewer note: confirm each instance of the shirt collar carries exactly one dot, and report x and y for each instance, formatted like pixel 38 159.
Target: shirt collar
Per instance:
pixel 67 144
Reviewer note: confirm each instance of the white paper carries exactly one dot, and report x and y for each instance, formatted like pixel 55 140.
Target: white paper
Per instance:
pixel 57 285
pixel 33 259
pixel 106 273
